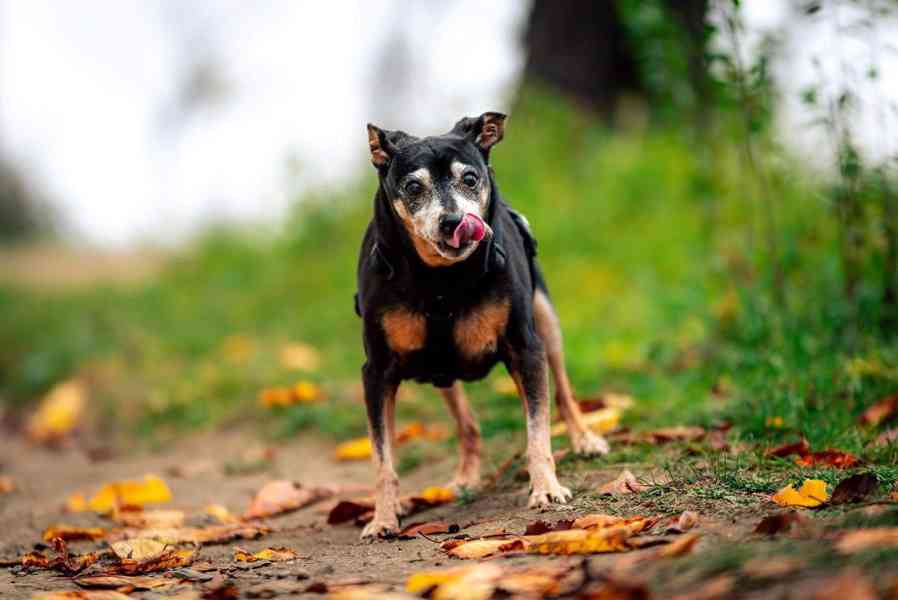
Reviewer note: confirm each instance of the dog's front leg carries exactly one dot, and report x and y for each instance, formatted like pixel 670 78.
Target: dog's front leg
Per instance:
pixel 529 371
pixel 380 400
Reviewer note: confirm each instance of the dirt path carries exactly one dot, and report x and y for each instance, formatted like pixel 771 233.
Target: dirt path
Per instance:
pixel 211 472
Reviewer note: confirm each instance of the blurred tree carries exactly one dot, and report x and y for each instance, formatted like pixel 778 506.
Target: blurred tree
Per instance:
pixel 20 213
pixel 597 52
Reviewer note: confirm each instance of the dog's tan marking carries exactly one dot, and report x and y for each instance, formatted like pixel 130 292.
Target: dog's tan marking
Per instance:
pixel 467 474
pixel 406 330
pixel 478 332
pixel 583 440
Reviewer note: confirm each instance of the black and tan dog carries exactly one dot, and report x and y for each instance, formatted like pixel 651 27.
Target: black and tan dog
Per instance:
pixel 449 286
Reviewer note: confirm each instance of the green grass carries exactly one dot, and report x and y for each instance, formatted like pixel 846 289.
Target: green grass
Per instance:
pixel 661 290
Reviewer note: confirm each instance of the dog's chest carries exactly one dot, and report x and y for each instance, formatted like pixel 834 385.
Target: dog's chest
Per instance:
pixel 448 340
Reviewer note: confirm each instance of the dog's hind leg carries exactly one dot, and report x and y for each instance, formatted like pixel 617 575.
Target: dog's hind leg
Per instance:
pixel 467 475
pixel 583 440
pixel 380 400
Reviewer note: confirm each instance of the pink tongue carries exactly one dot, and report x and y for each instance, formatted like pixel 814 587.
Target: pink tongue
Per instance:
pixel 471 228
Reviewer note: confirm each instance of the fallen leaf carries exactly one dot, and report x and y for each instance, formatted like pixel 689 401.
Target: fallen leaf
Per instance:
pixel 540 527
pixel 775 422
pixel 811 494
pixel 300 356
pixel 193 535
pixel 866 539
pixel 474 582
pixel 131 493
pixel 138 549
pixel 579 541
pixel 360 510
pixel 58 413
pixel 625 483
pixel 851 583
pixel 681 546
pixel 431 528
pixel 64 562
pixel 829 458
pixel 771 567
pixel 349 510
pixel 481 548
pixel 855 488
pixel 800 448
pixel 357 449
pixel 716 588
pixel 121 581
pixel 80 595
pixel 434 495
pixel 280 554
pixel 779 523
pixel 599 421
pixel 680 433
pixel 613 589
pixel 281 496
pixel 417 430
pixel 70 533
pixel 7 485
pixel 885 409
pixel 220 514
pixel 150 519
pixel 303 392
pixel 686 521
pixel 170 559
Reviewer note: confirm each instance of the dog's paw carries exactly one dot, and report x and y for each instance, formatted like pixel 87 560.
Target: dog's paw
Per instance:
pixel 548 495
pixel 382 529
pixel 589 444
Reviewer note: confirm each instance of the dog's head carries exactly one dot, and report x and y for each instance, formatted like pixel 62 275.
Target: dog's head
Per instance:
pixel 439 187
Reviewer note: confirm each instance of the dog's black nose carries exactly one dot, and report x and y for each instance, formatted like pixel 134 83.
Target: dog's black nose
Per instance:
pixel 449 223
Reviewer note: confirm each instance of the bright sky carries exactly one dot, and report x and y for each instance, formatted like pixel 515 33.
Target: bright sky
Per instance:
pixel 92 97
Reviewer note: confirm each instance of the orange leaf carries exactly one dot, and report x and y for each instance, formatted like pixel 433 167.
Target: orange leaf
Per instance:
pixel 625 483
pixel 281 496
pixel 69 533
pixel 811 494
pixel 887 408
pixel 122 493
pixel 280 554
pixel 357 449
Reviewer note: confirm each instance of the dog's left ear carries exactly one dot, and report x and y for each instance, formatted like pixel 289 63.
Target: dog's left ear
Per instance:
pixel 484 131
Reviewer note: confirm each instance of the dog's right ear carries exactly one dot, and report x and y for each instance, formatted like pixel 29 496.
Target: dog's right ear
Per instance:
pixel 381 148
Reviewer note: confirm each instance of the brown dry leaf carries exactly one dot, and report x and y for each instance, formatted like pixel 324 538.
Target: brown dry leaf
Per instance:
pixel 138 549
pixel 866 539
pixel 300 356
pixel 280 554
pixel 885 409
pixel 776 567
pixel 63 561
pixel 614 589
pixel 800 448
pixel 282 496
pixel 81 595
pixel 779 523
pixel 70 533
pixel 213 534
pixel 59 412
pixel 481 548
pixel 540 527
pixel 170 559
pixel 118 494
pixel 115 582
pixel 361 510
pixel 579 541
pixel 828 458
pixel 811 494
pixel 150 519
pixel 7 485
pixel 681 546
pixel 220 514
pixel 350 510
pixel 681 433
pixel 851 583
pixel 855 488
pixel 717 588
pixel 431 528
pixel 625 483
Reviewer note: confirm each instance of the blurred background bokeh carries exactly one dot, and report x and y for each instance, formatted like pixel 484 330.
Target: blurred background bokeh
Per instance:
pixel 184 187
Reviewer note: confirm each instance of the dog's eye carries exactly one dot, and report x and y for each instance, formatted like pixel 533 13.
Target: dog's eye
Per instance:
pixel 470 179
pixel 413 188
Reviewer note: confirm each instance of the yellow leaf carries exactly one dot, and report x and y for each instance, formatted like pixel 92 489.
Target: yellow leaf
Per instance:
pixel 277 396
pixel 305 392
pixel 505 386
pixel 775 422
pixel 76 503
pixel 811 494
pixel 144 519
pixel 437 495
pixel 129 493
pixel 58 413
pixel 600 421
pixel 220 513
pixel 580 541
pixel 271 554
pixel 357 449
pixel 301 357
pixel 69 533
pixel 138 549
